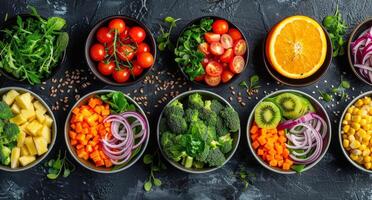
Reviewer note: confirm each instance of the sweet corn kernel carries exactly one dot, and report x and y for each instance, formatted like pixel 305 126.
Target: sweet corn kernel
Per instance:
pixel 356 152
pixel 348 117
pixel 354 157
pixel 346 128
pixel 368 165
pixel 355 144
pixel 356 118
pixel 350 110
pixel 356 111
pixel 363 147
pixel 355 125
pixel 352 131
pixel 363 122
pixel 351 138
pixel 366 101
pixel 346 143
pixel 366 152
pixel 359 103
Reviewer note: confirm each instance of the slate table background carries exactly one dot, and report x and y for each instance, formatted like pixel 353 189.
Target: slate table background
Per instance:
pixel 332 178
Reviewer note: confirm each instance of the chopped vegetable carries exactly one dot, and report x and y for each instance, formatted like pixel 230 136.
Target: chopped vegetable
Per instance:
pixel 32 48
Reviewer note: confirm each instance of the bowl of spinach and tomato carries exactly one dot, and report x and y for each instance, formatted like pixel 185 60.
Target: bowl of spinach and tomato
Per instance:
pixel 198 131
pixel 32 47
pixel 211 51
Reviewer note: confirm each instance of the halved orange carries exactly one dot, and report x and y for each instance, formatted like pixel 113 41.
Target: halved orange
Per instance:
pixel 296 47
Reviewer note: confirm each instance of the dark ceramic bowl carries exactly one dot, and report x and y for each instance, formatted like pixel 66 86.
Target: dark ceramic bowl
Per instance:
pixel 8 24
pixel 91 39
pixel 235 136
pixel 231 25
pixel 39 159
pixel 300 82
pixel 320 111
pixel 87 163
pixel 354 35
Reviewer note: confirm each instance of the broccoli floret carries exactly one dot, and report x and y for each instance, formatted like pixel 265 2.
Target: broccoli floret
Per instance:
pixel 215 158
pixel 221 128
pixel 4 155
pixel 187 161
pixel 163 125
pixel 231 119
pixel 207 114
pixel 226 143
pixel 198 164
pixel 191 115
pixel 196 101
pixel 214 144
pixel 212 135
pixel 199 129
pixel 216 106
pixel 171 146
pixel 175 108
pixel 177 124
pixel 203 155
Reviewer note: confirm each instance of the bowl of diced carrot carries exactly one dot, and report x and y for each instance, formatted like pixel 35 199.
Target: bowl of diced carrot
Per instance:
pixel 106 131
pixel 288 132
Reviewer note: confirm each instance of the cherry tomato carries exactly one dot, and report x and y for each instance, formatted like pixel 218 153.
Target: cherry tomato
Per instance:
pixel 214 68
pixel 205 61
pixel 137 34
pixel 104 35
pixel 125 52
pixel 227 56
pixel 227 41
pixel 216 48
pixel 212 80
pixel 220 26
pixel 117 24
pixel 145 59
pixel 106 68
pixel 235 34
pixel 122 75
pixel 240 47
pixel 212 37
pixel 203 47
pixel 110 47
pixel 143 47
pixel 237 64
pixel 199 78
pixel 136 69
pixel 226 76
pixel 97 52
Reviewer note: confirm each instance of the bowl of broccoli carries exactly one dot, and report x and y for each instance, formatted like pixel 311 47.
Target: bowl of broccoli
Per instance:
pixel 198 131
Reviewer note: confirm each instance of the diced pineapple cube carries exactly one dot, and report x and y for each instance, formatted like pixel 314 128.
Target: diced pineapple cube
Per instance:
pixel 15 108
pixel 34 127
pixel 24 101
pixel 48 121
pixel 21 138
pixel 24 151
pixel 39 107
pixel 41 145
pixel 45 132
pixel 40 116
pixel 29 142
pixel 28 114
pixel 25 160
pixel 19 119
pixel 14 157
pixel 9 97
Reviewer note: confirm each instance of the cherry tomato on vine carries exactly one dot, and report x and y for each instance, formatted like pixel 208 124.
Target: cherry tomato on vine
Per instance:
pixel 104 35
pixel 106 68
pixel 121 75
pixel 117 24
pixel 125 52
pixel 143 47
pixel 220 26
pixel 97 52
pixel 235 34
pixel 145 59
pixel 137 34
pixel 136 69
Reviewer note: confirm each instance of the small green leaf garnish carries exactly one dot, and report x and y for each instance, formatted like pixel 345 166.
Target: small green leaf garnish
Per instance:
pixel 253 86
pixel 326 96
pixel 156 165
pixel 58 166
pixel 163 39
pixel 298 168
pixel 244 176
pixel 147 186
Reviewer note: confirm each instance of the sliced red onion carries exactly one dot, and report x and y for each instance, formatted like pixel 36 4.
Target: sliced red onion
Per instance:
pixel 119 148
pixel 361 50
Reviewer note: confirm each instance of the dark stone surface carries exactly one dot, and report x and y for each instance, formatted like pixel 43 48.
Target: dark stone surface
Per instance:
pixel 332 178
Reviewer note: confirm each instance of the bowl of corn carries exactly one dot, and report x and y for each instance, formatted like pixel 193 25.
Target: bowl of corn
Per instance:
pixel 355 132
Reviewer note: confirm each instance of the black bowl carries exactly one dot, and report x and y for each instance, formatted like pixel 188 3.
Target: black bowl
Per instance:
pixel 91 39
pixel 308 80
pixel 8 24
pixel 366 24
pixel 231 25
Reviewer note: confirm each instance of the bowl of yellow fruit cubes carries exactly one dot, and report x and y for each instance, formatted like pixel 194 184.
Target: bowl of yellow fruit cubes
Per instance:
pixel 356 132
pixel 27 129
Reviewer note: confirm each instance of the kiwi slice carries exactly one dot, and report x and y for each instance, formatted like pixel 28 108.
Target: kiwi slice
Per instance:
pixel 267 115
pixel 292 105
pixel 308 107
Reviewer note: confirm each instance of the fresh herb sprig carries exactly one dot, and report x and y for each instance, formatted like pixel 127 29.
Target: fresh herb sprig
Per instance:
pixel 244 176
pixel 187 54
pixel 254 84
pixel 33 47
pixel 58 166
pixel 339 91
pixel 118 102
pixel 336 27
pixel 156 165
pixel 163 40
